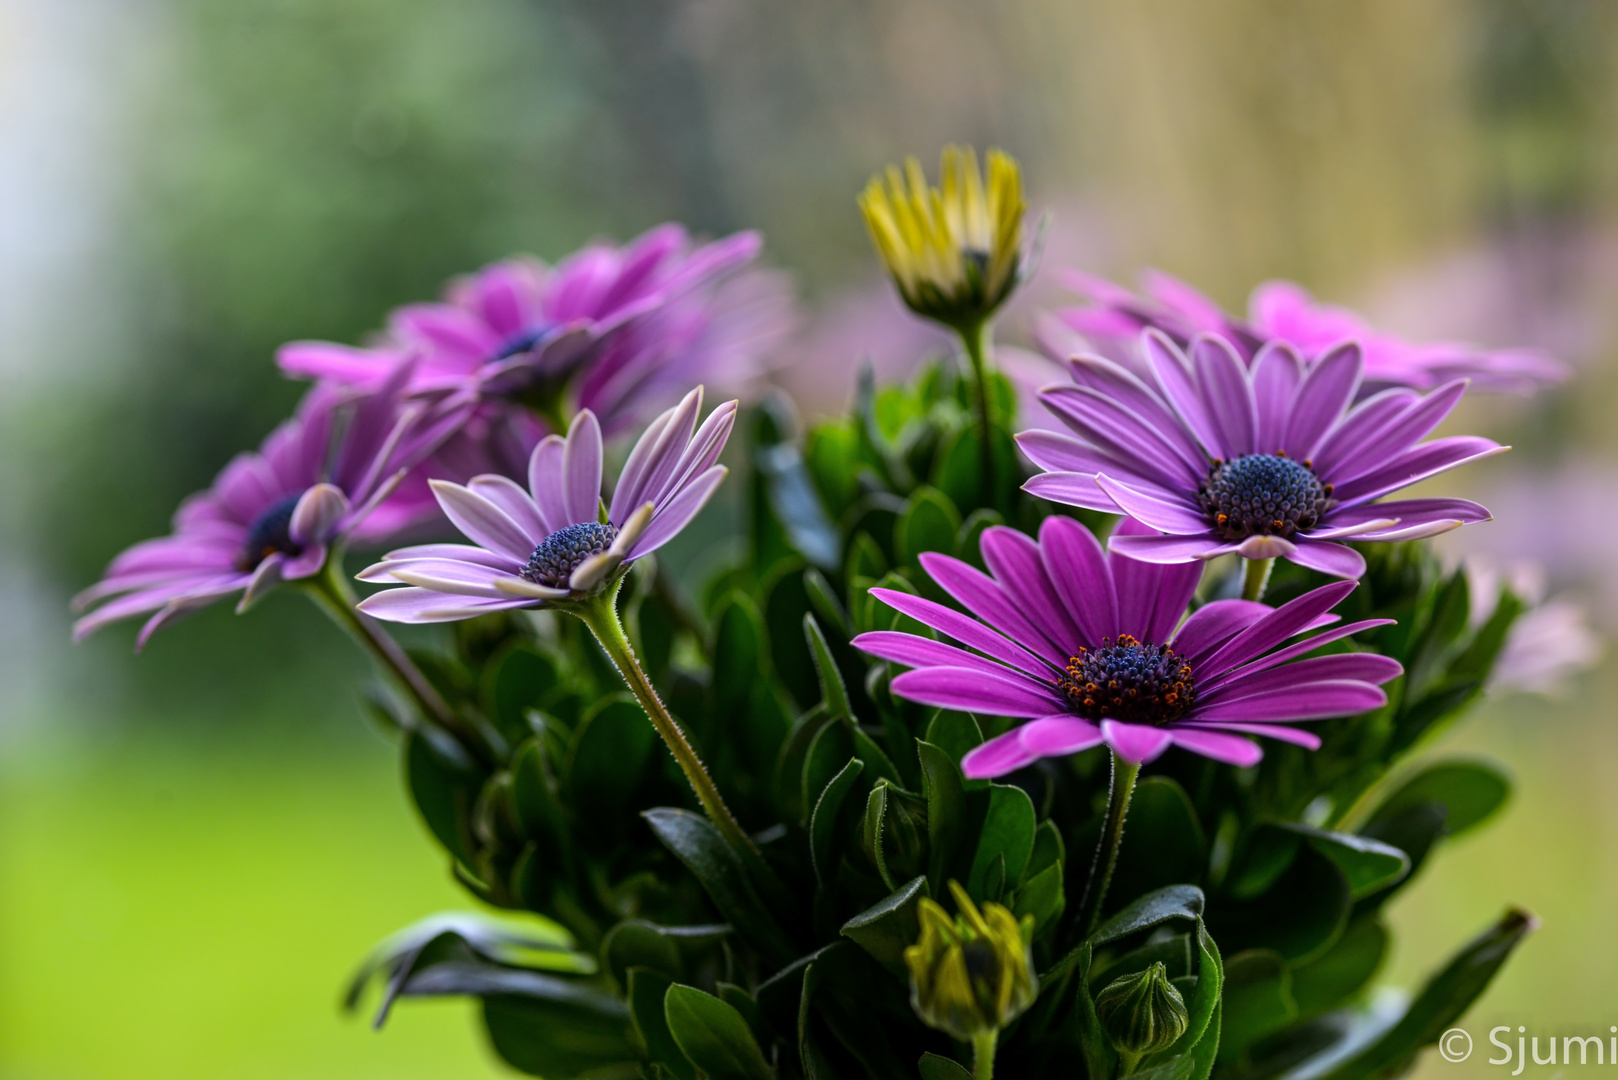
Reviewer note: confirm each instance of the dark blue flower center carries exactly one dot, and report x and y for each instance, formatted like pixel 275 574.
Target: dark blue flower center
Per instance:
pixel 522 342
pixel 554 560
pixel 1127 681
pixel 270 532
pixel 1263 495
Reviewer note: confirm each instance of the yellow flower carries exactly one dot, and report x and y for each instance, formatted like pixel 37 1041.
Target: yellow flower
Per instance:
pixel 955 252
pixel 972 975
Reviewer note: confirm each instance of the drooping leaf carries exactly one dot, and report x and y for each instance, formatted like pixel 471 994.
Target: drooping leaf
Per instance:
pixel 1332 979
pixel 561 1037
pixel 1170 902
pixel 1470 792
pixel 888 928
pixel 1441 1002
pixel 642 943
pixel 444 784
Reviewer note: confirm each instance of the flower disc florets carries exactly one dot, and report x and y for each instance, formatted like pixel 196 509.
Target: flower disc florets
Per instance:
pixel 561 553
pixel 270 532
pixel 1263 495
pixel 1130 682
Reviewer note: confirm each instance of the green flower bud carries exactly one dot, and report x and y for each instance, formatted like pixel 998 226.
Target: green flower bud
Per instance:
pixel 1142 1013
pixel 893 834
pixel 972 975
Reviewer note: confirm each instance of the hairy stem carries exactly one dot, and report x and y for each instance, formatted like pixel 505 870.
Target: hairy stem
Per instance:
pixel 1255 576
pixel 600 614
pixel 1124 775
pixel 331 594
pixel 978 339
pixel 983 1055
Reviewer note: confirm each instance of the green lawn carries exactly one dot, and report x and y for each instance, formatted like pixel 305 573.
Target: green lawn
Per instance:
pixel 172 912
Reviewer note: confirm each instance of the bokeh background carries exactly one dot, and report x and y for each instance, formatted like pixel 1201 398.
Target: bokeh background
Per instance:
pixel 198 844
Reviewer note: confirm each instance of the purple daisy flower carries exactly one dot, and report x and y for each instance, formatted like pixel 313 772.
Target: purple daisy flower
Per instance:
pixel 274 515
pixel 1271 461
pixel 1083 645
pixel 617 331
pixel 1280 311
pixel 549 543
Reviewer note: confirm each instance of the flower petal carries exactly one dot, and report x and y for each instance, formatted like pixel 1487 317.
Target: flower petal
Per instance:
pixel 1230 749
pixel 1169 549
pixel 1079 571
pixel 1152 597
pixel 1276 627
pixel 966 630
pixel 1165 517
pixel 1338 560
pixel 1135 743
pixel 983 597
pixel 1071 489
pixel 978 691
pixel 1277 374
pixel 1418 463
pixel 1296 736
pixel 1226 395
pixel 1058 736
pixel 1326 391
pixel 677 513
pixel 581 469
pixel 413 605
pixel 1213 624
pixel 997 757
pixel 1319 701
pixel 481 521
pixel 920 652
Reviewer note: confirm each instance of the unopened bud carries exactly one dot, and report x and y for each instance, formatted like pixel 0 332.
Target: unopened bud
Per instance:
pixel 893 834
pixel 971 975
pixel 1142 1013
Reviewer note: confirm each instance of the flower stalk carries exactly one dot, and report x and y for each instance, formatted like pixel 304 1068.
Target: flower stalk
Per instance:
pixel 977 336
pixel 331 593
pixel 1124 775
pixel 983 1055
pixel 1256 577
pixel 600 614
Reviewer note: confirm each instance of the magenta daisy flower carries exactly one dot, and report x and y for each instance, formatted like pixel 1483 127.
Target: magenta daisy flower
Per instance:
pixel 1083 645
pixel 274 515
pixel 549 543
pixel 617 331
pixel 1270 461
pixel 1280 311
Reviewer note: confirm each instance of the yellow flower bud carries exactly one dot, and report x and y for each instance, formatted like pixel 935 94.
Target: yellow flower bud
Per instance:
pixel 955 251
pixel 971 975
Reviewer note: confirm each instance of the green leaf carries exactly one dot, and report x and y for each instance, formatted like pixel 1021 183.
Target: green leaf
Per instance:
pixel 1042 897
pixel 889 927
pixel 829 825
pixel 608 757
pixel 945 790
pixel 640 943
pixel 1258 1000
pixel 697 844
pixel 1299 916
pixel 832 690
pixel 742 1002
pixel 956 733
pixel 830 453
pixel 1441 1002
pixel 791 761
pixel 1334 978
pixel 928 522
pixel 1367 864
pixel 444 784
pixel 1470 791
pixel 519 680
pixel 933 1067
pixel 825 602
pixel 572 1032
pixel 1008 833
pixel 865 559
pixel 829 752
pixel 647 989
pixel 739 651
pixel 533 791
pixel 876 809
pixel 714 1036
pixel 959 473
pixel 1163 840
pixel 969 540
pixel 786 602
pixel 1171 902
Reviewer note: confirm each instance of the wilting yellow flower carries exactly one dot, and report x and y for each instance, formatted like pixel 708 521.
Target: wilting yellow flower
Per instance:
pixel 971 975
pixel 954 251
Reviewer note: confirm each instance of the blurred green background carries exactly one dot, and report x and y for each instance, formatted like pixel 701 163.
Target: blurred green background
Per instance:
pixel 196 846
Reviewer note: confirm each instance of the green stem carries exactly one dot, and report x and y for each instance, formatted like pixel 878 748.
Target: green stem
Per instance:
pixel 978 337
pixel 331 593
pixel 983 1055
pixel 600 614
pixel 1112 834
pixel 1255 576
pixel 1127 1062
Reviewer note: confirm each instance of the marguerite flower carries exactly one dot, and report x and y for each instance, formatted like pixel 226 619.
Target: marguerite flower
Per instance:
pixel 955 252
pixel 550 543
pixel 1272 461
pixel 1089 648
pixel 1280 311
pixel 274 515
pixel 618 331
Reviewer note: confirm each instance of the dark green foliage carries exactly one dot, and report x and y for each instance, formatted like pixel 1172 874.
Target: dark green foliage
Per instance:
pixel 698 960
